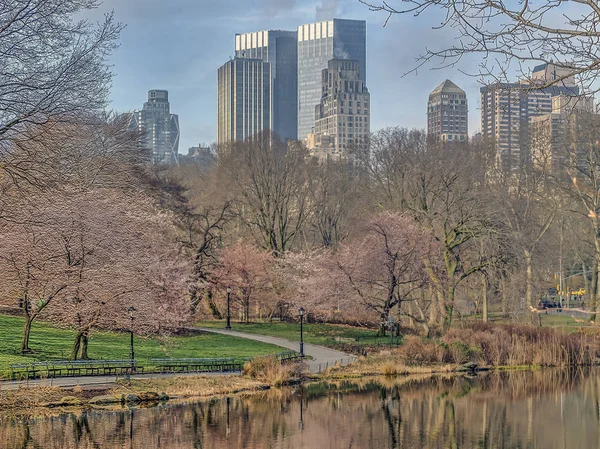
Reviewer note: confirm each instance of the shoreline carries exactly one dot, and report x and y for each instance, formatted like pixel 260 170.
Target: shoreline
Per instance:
pixel 41 400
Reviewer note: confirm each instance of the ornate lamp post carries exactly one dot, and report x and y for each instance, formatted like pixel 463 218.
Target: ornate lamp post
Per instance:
pixel 228 325
pixel 301 313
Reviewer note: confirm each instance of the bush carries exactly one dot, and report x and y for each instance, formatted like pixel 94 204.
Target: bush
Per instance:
pixel 419 351
pixel 502 345
pixel 271 370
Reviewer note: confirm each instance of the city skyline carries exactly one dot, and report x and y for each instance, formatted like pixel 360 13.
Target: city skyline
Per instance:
pixel 188 65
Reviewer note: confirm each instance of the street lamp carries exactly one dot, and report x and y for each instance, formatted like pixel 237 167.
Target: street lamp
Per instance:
pixel 228 325
pixel 131 311
pixel 301 313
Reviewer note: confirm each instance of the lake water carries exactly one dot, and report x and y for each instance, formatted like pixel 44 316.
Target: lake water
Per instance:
pixel 545 409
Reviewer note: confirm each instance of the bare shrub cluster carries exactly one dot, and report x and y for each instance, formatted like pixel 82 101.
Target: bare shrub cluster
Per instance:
pixel 502 345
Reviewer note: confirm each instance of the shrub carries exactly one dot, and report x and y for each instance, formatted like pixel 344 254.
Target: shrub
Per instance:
pixel 271 370
pixel 419 351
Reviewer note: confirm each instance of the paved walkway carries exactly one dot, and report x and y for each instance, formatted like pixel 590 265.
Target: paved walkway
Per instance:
pixel 322 357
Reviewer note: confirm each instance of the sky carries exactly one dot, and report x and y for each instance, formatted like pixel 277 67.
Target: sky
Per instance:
pixel 178 45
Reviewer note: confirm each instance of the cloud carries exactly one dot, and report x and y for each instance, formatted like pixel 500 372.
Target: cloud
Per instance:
pixel 328 9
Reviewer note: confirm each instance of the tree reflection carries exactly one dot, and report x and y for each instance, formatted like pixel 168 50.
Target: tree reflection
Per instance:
pixel 545 409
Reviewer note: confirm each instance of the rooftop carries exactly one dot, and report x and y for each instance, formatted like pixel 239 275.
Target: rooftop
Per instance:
pixel 447 87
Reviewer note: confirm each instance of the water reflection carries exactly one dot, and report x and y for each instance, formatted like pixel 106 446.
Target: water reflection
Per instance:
pixel 549 409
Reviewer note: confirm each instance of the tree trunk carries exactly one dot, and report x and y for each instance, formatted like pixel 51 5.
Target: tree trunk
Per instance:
pixel 449 308
pixel 26 332
pixel 529 284
pixel 484 292
pixel 593 289
pixel 76 346
pixel 84 346
pixel 433 308
pixel 586 281
pixel 504 296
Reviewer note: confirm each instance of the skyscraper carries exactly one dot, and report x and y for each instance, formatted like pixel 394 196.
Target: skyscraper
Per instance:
pixel 243 99
pixel 318 43
pixel 342 118
pixel 158 128
pixel 448 113
pixel 506 110
pixel 280 49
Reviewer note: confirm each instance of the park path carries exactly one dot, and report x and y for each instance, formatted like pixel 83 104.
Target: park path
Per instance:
pixel 322 357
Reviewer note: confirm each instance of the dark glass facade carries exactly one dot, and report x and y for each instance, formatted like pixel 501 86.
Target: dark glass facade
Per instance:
pixel 280 49
pixel 318 43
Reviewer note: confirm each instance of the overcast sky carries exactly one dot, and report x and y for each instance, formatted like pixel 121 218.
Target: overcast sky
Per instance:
pixel 178 45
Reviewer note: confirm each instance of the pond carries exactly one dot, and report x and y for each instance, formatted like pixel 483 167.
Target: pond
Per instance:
pixel 542 409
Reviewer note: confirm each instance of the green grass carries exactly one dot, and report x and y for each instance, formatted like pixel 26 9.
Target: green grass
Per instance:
pixel 319 334
pixel 51 343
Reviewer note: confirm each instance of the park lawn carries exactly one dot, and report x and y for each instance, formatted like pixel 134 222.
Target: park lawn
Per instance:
pixel 318 334
pixel 565 320
pixel 52 343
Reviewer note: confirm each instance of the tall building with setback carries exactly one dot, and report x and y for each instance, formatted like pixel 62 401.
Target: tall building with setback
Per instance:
pixel 506 110
pixel 448 113
pixel 342 118
pixel 157 127
pixel 318 43
pixel 280 49
pixel 243 99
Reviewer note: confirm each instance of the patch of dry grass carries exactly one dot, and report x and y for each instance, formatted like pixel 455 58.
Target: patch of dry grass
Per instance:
pixel 387 363
pixel 191 386
pixel 272 371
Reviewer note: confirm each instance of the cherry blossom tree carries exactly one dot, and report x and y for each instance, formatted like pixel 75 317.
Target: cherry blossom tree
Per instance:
pixel 85 258
pixel 382 268
pixel 245 269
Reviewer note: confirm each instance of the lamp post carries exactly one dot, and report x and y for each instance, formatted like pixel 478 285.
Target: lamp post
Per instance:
pixel 301 313
pixel 228 325
pixel 131 311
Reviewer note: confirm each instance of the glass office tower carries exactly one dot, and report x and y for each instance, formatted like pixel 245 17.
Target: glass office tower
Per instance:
pixel 318 43
pixel 243 99
pixel 157 127
pixel 280 48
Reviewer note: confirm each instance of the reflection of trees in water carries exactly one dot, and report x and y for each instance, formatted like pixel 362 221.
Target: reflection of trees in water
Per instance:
pixel 546 409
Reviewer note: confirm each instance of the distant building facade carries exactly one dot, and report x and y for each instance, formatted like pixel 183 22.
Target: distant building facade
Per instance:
pixel 506 110
pixel 342 118
pixel 280 49
pixel 244 88
pixel 448 113
pixel 318 43
pixel 157 127
pixel 561 139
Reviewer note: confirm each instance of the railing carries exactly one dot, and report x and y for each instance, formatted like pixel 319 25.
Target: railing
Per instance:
pixel 71 368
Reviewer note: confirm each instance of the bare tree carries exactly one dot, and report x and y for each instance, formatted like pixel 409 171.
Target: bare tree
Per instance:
pixel 269 189
pixel 510 37
pixel 54 64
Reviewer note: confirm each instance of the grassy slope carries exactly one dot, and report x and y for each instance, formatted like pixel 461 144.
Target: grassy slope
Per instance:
pixel 49 343
pixel 320 334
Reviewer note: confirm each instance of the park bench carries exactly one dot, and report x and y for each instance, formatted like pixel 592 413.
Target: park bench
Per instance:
pixel 59 368
pixel 289 356
pixel 196 365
